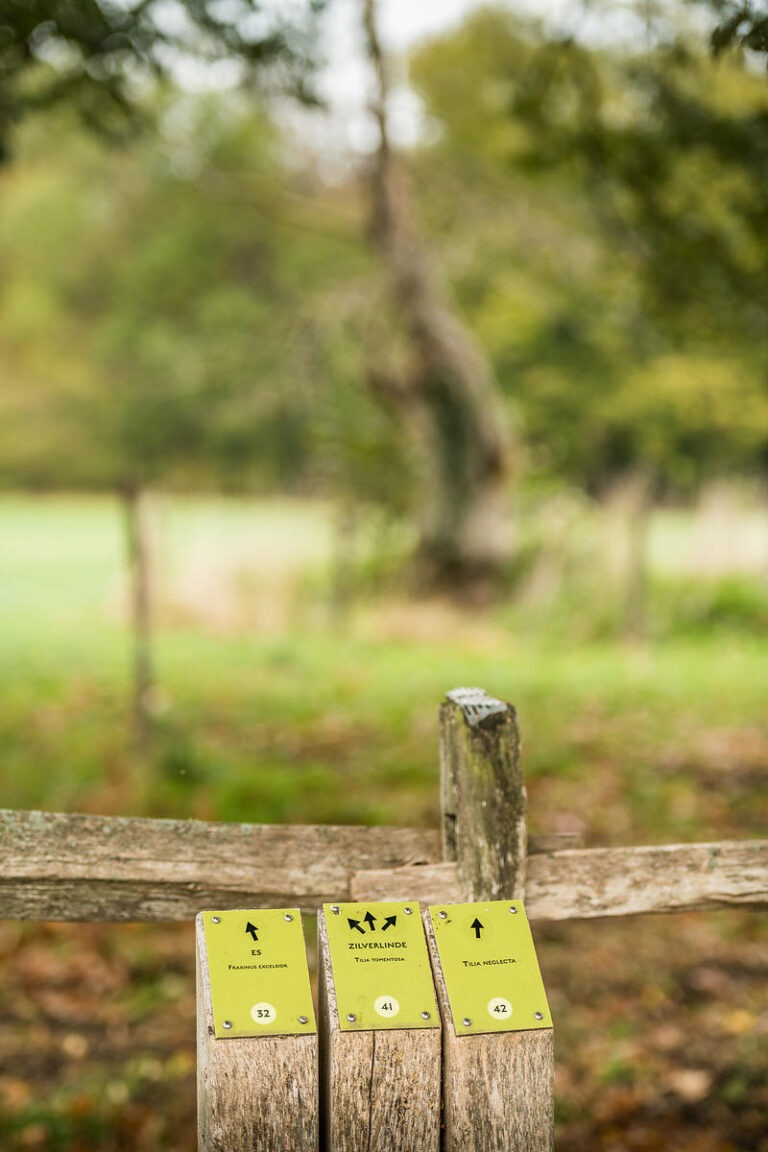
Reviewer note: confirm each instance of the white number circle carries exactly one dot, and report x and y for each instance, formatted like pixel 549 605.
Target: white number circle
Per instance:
pixel 499 1008
pixel 263 1013
pixel 386 1006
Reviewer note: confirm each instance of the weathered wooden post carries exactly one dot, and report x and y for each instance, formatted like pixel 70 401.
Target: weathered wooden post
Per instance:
pixel 484 803
pixel 498 1087
pixel 257 1051
pixel 380 1030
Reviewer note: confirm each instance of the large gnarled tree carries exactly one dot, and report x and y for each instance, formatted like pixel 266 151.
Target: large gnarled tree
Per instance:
pixel 444 391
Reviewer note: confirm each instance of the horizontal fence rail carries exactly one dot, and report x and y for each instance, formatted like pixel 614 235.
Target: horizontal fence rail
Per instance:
pixel 581 885
pixel 81 867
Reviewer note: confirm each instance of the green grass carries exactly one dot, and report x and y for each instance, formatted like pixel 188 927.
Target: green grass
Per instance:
pixel 295 722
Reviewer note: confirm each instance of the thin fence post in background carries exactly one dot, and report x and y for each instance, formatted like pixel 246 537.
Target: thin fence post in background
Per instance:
pixel 498 1088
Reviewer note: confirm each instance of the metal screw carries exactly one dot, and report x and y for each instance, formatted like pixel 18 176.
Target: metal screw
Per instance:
pixel 514 911
pixel 303 1019
pixel 227 1024
pixel 425 1015
pixel 443 915
pixel 538 1015
pixel 335 909
pixel 287 916
pixel 466 1022
pixel 215 919
pixel 351 1017
pixel 408 911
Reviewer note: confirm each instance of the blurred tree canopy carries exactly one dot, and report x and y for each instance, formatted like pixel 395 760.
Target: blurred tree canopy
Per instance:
pixel 614 253
pixel 189 311
pixel 196 308
pixel 96 55
pixel 740 23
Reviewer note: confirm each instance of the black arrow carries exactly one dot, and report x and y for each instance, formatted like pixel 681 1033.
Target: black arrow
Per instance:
pixel 252 929
pixel 369 919
pixel 356 924
pixel 477 927
pixel 389 923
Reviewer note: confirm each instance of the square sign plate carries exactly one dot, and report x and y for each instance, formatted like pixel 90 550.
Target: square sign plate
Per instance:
pixel 381 968
pixel 490 967
pixel 259 976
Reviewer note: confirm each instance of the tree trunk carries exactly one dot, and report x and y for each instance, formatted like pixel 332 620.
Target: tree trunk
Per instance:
pixel 137 539
pixel 447 395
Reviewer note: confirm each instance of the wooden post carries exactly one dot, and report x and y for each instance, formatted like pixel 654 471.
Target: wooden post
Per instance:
pixel 253 1095
pixel 380 1090
pixel 498 1088
pixel 483 795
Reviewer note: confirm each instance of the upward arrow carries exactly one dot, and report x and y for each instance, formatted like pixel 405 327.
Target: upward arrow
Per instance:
pixel 370 919
pixel 252 930
pixel 478 927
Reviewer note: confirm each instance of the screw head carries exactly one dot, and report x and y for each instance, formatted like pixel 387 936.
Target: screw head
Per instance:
pixel 351 1017
pixel 287 916
pixel 514 911
pixel 226 1024
pixel 215 919
pixel 443 915
pixel 538 1015
pixel 335 909
pixel 303 1020
pixel 408 911
pixel 425 1015
pixel 466 1022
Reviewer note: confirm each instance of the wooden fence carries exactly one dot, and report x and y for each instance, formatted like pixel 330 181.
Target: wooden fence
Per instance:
pixel 78 867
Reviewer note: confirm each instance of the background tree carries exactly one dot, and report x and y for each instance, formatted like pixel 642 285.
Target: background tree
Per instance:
pixel 177 361
pixel 617 205
pixel 443 386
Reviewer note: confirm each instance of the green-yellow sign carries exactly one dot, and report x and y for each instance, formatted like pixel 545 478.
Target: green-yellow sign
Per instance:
pixel 490 967
pixel 381 968
pixel 259 976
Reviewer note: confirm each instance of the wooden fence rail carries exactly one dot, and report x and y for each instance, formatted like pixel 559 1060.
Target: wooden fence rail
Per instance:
pixel 79 867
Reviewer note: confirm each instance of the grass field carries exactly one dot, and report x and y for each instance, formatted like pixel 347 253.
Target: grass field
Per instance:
pixel 267 711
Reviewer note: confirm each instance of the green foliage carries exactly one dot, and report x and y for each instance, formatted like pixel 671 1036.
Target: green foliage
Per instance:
pixel 189 312
pixel 97 55
pixel 191 340
pixel 605 212
pixel 741 23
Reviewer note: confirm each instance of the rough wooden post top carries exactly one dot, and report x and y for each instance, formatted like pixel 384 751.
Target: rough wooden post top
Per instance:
pixel 477 706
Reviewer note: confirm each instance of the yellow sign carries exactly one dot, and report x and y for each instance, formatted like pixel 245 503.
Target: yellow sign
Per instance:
pixel 258 970
pixel 490 967
pixel 381 968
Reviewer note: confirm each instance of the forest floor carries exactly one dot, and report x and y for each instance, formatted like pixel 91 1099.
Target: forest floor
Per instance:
pixel 661 1023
